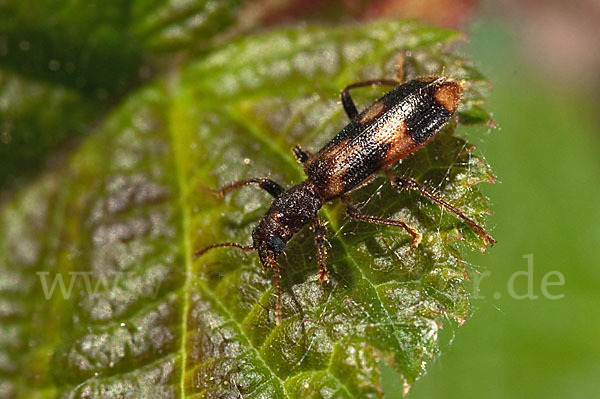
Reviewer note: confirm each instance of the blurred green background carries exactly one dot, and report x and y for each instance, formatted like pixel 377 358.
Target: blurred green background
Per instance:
pixel 546 156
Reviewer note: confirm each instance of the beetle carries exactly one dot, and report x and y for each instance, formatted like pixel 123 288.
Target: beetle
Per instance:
pixel 394 126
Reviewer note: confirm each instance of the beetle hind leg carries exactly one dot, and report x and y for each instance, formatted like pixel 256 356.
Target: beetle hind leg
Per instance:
pixel 404 183
pixel 400 73
pixel 348 102
pixel 356 214
pixel 404 67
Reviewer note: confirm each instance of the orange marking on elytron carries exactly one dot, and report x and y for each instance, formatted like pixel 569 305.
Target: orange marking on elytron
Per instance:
pixel 448 95
pixel 338 158
pixel 394 133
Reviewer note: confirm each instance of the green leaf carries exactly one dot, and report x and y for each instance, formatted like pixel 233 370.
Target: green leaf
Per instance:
pixel 123 218
pixel 62 64
pixel 35 118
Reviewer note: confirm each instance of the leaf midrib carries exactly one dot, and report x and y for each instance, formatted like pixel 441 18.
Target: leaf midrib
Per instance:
pixel 180 156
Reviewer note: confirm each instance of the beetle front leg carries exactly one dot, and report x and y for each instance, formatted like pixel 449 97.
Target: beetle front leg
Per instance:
pixel 274 265
pixel 277 276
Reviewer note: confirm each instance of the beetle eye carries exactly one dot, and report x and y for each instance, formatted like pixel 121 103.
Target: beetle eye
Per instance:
pixel 275 244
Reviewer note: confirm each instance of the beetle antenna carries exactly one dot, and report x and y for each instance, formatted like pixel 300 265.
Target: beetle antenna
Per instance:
pixel 245 248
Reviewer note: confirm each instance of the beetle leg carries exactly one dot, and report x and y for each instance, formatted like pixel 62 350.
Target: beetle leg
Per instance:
pixel 356 214
pixel 403 183
pixel 268 185
pixel 273 264
pixel 399 72
pixel 321 240
pixel 404 66
pixel 301 154
pixel 277 275
pixel 347 101
pixel 399 78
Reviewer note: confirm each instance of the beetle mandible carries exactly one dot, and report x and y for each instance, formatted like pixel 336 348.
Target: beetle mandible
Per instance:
pixel 394 126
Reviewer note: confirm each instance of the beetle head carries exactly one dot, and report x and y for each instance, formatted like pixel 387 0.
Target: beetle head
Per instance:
pixel 269 240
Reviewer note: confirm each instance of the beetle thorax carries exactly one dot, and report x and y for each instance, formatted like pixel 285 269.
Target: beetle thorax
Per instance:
pixel 288 214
